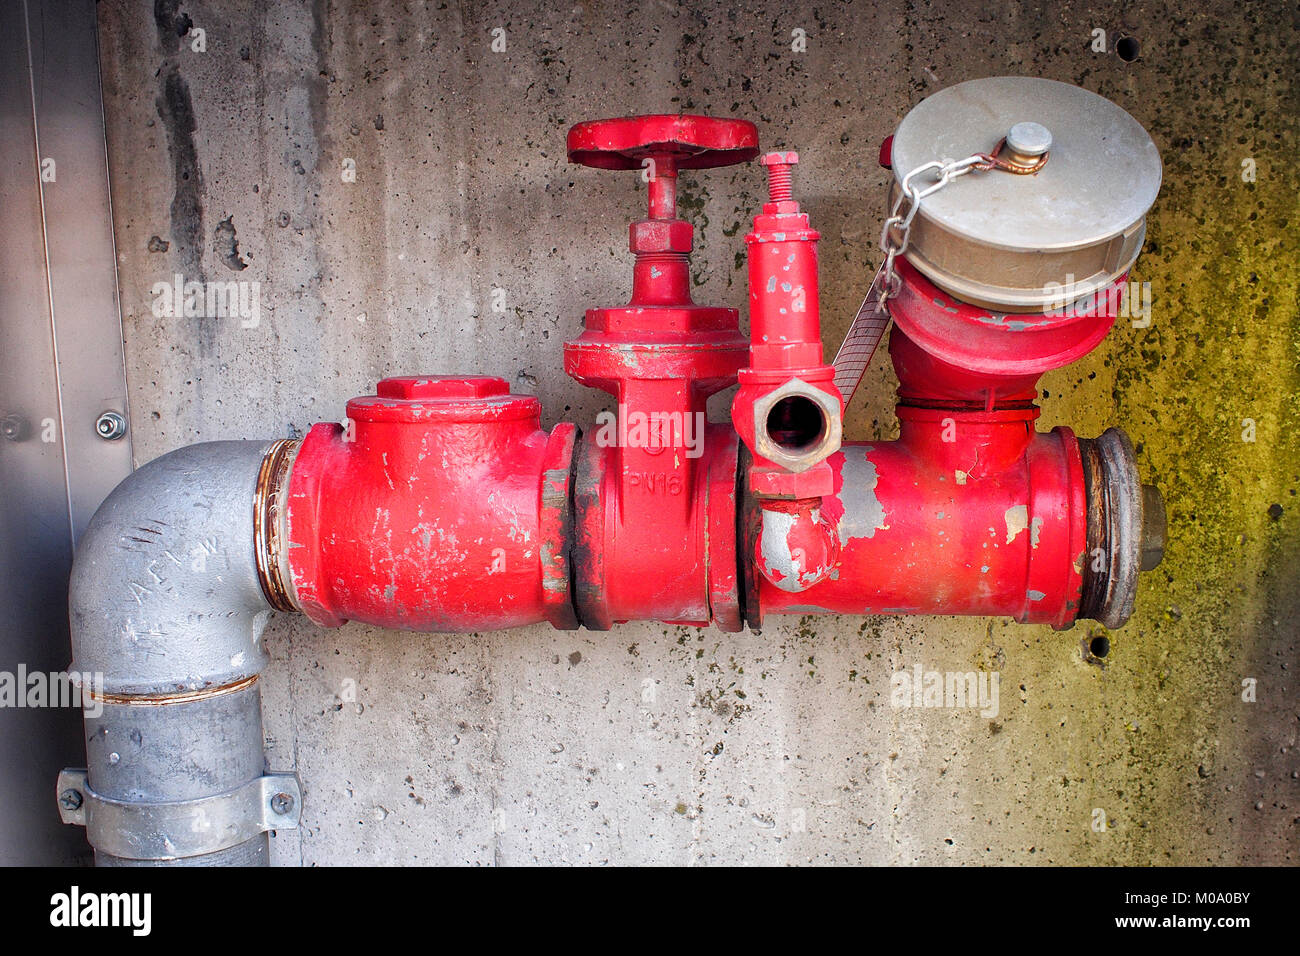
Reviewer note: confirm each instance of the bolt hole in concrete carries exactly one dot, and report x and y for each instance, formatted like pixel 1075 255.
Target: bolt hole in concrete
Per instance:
pixel 1099 646
pixel 1128 48
pixel 796 423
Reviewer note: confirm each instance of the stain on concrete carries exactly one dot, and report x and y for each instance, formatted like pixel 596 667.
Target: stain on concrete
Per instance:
pixel 170 24
pixel 176 111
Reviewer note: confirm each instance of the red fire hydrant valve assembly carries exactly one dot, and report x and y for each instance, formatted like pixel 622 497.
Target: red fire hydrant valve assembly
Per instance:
pixel 442 504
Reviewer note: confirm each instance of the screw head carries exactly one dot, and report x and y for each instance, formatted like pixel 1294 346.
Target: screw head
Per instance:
pixel 13 427
pixel 110 426
pixel 282 804
pixel 70 799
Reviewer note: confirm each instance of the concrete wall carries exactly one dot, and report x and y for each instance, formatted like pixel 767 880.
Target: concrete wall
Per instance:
pixel 538 746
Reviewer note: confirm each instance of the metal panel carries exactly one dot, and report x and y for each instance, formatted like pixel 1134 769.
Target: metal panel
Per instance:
pixel 79 247
pixel 57 293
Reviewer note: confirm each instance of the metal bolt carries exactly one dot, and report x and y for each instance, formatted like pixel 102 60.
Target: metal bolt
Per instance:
pixel 70 799
pixel 1029 139
pixel 110 426
pixel 282 804
pixel 778 168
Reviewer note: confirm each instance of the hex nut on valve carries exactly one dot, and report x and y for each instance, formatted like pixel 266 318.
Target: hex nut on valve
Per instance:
pixel 813 434
pixel 110 426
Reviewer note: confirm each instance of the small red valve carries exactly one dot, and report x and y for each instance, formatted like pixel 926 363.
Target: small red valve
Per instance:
pixel 787 411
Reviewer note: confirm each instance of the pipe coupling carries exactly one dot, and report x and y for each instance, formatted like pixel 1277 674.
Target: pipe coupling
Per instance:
pixel 180 829
pixel 1126 528
pixel 269 533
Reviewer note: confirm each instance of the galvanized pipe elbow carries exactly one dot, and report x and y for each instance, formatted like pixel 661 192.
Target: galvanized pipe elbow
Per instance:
pixel 164 596
pixel 166 606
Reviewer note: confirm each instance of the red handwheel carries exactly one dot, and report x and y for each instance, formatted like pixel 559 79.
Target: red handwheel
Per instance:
pixel 687 142
pixel 669 143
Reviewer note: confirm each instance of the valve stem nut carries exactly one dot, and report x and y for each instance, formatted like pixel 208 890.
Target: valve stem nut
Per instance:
pixel 661 235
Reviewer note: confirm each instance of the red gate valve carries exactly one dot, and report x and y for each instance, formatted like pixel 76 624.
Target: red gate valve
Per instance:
pixel 660 146
pixel 654 499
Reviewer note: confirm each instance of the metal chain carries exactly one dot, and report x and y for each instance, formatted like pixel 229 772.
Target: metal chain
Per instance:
pixel 946 172
pixel 873 318
pixel 913 194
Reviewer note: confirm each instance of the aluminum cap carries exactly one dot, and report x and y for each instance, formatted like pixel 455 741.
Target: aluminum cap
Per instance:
pixel 1012 242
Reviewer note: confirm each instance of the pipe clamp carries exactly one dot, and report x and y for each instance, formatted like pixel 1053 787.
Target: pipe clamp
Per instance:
pixel 186 828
